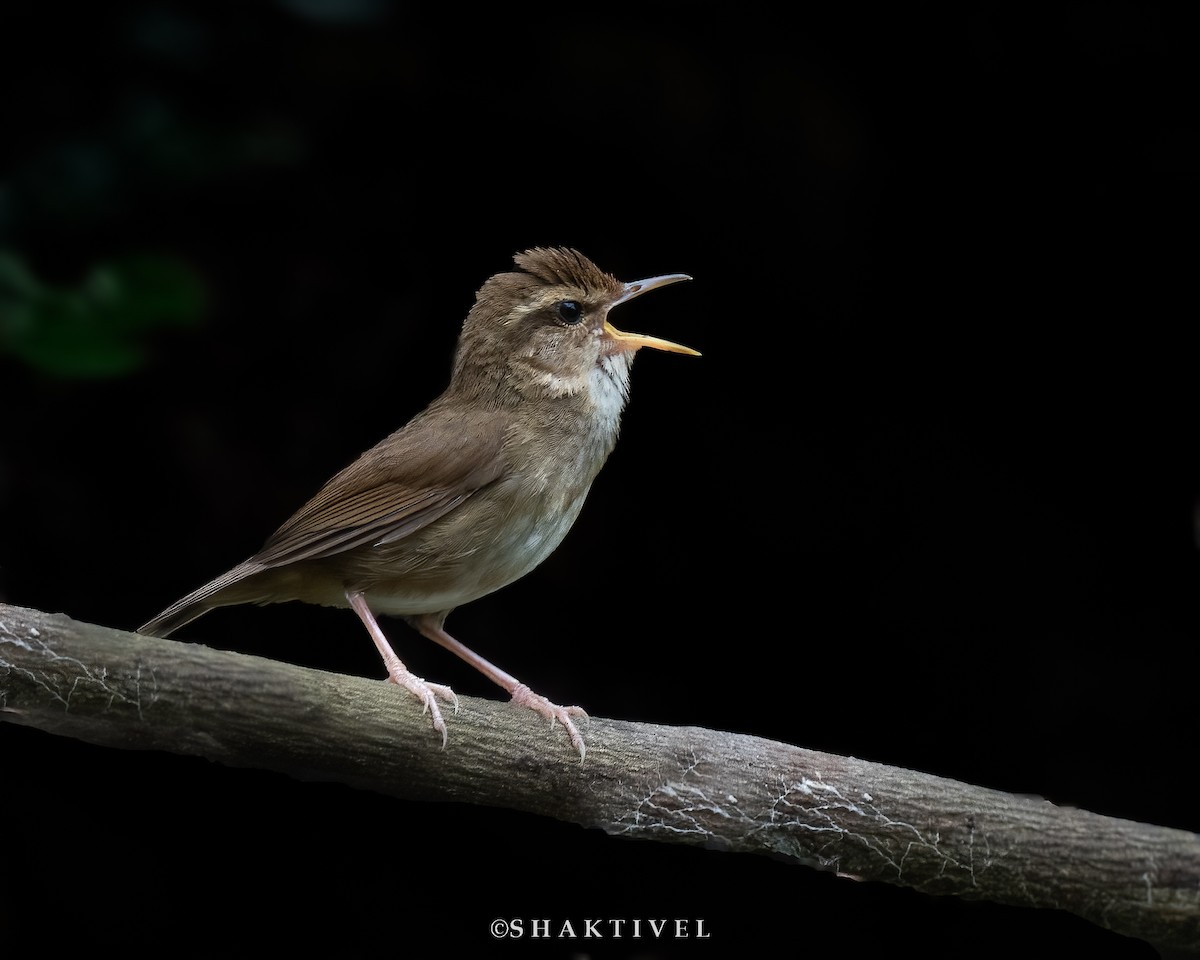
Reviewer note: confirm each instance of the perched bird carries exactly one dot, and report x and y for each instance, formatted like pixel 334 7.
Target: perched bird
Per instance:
pixel 477 489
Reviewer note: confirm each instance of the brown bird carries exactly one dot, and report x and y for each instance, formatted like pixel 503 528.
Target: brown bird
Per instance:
pixel 477 489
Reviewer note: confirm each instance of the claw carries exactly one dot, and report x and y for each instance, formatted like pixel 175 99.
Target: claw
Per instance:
pixel 524 697
pixel 427 693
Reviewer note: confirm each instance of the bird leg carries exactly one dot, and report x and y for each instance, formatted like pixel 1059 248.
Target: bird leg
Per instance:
pixel 398 673
pixel 430 625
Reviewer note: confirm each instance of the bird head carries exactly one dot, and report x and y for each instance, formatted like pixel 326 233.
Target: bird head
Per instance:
pixel 545 329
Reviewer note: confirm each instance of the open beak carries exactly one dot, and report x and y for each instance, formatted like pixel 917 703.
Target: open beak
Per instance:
pixel 629 342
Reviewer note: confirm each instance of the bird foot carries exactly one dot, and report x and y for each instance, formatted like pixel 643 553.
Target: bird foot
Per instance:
pixel 523 696
pixel 427 693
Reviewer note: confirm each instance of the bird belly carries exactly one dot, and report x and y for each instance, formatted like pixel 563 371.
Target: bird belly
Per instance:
pixel 501 548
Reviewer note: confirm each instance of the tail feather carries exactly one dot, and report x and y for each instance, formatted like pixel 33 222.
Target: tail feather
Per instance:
pixel 216 593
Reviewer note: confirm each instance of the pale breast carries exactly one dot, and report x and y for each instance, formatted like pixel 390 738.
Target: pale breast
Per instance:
pixel 505 530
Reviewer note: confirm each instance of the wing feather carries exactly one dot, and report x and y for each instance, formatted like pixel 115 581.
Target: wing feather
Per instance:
pixel 402 485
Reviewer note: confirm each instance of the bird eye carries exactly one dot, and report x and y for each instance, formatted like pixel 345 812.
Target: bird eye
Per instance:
pixel 569 311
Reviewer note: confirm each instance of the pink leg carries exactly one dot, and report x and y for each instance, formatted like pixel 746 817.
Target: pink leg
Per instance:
pixel 398 673
pixel 430 625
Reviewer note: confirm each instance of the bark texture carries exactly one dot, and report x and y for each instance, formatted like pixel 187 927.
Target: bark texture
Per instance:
pixel 672 784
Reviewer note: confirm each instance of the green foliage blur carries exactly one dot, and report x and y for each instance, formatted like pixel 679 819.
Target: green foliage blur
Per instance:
pixel 108 177
pixel 99 328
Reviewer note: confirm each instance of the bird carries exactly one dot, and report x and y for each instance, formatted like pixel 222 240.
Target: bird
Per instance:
pixel 477 489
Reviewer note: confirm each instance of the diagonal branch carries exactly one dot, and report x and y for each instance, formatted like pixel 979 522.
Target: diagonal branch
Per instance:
pixel 675 784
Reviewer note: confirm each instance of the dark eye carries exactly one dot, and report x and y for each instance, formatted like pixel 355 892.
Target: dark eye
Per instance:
pixel 569 311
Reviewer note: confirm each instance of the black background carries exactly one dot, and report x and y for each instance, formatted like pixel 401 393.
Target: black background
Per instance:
pixel 927 499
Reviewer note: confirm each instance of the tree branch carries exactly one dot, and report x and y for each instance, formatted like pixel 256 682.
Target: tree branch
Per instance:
pixel 676 784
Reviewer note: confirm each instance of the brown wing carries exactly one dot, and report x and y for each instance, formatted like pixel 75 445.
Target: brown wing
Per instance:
pixel 406 482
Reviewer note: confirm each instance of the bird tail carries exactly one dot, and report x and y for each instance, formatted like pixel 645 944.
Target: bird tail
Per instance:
pixel 220 592
pixel 175 616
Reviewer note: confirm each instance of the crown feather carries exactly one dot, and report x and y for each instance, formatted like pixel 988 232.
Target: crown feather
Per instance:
pixel 566 266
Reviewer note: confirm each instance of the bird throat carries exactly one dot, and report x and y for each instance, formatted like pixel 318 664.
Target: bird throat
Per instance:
pixel 603 388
